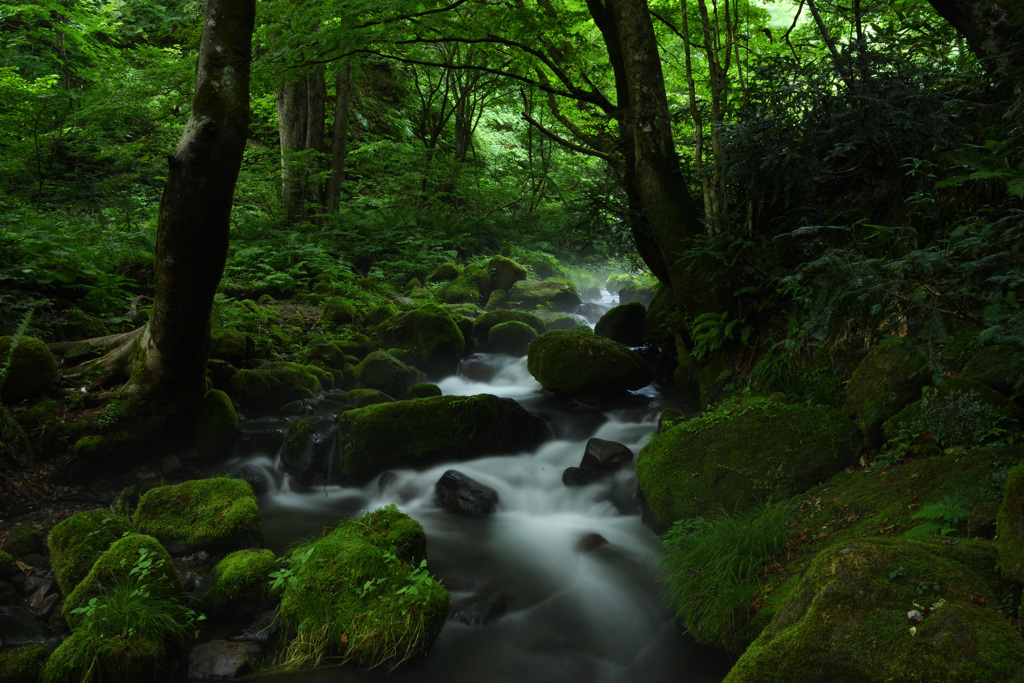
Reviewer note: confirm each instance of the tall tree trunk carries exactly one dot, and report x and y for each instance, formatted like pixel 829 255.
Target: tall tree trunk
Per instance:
pixel 994 30
pixel 292 117
pixel 339 139
pixel 316 116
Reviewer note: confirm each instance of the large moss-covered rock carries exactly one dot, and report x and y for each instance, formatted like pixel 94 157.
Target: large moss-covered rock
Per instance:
pixel 472 286
pixel 136 557
pixel 558 295
pixel 578 362
pixel 998 367
pixel 362 593
pixel 446 272
pixel 482 325
pixel 640 290
pixel 889 378
pixel 215 515
pixel 738 454
pixel 512 338
pixel 216 425
pixel 505 272
pixel 623 324
pixel 241 585
pixel 32 371
pixel 847 620
pixel 77 542
pixel 430 337
pixel 383 372
pixel 958 412
pixel 23 664
pixel 1010 526
pixel 234 346
pixel 423 431
pixel 273 385
pixel 85 657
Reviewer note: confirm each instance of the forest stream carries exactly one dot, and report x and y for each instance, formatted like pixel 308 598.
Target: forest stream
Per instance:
pixel 558 584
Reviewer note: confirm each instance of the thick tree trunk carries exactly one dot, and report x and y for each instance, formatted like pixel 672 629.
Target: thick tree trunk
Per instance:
pixel 994 30
pixel 339 139
pixel 192 228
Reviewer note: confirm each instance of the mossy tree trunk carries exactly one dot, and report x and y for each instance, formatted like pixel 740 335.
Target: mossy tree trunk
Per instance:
pixel 994 30
pixel 165 361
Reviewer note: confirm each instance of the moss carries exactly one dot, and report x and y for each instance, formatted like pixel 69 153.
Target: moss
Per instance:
pixel 359 594
pixel 846 620
pixel 560 296
pixel 7 566
pixel 22 540
pixel 998 367
pixel 360 398
pixel 742 452
pixel 446 272
pixel 472 286
pixel 234 346
pixel 623 324
pixel 330 354
pixel 431 338
pixel 216 425
pixel 383 372
pixel 240 583
pixel 115 566
pixel 23 664
pixel 512 338
pixel 205 514
pixel 1010 525
pixel 496 300
pixel 425 430
pixel 338 311
pixel 32 371
pixel 505 272
pixel 78 541
pixel 889 378
pixel 83 657
pixel 40 416
pixel 959 349
pixel 274 385
pixel 323 375
pixel 423 390
pixel 576 362
pixel 482 325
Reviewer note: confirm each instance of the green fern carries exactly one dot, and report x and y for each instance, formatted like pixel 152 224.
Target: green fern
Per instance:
pixel 942 518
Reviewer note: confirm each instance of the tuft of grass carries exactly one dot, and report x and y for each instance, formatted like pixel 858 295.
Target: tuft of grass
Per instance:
pixel 714 569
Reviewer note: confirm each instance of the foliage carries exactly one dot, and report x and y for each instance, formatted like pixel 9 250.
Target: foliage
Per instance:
pixel 711 331
pixel 943 518
pixel 956 419
pixel 715 567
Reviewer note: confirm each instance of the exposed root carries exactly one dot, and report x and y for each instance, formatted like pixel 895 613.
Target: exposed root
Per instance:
pixel 112 367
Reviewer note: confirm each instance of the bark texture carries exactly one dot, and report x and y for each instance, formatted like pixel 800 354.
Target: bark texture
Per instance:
pixel 994 30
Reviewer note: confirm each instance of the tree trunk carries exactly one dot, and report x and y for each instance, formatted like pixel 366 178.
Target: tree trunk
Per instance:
pixel 994 30
pixel 339 139
pixel 292 112
pixel 316 116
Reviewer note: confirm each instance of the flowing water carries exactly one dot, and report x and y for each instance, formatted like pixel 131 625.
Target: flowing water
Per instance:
pixel 559 584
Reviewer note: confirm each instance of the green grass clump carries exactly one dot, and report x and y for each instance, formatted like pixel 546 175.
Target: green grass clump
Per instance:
pixel 715 568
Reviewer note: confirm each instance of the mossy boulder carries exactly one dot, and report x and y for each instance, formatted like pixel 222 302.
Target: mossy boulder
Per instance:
pixel 624 324
pixel 890 377
pixel 360 398
pixel 482 325
pixel 328 353
pixel 329 611
pixel 240 584
pixel 1010 526
pixel 998 367
pixel 23 664
pixel 216 426
pixel 85 657
pixel 740 453
pixel 556 294
pixel 273 385
pixel 957 412
pixel 505 272
pixel 472 286
pixel 7 566
pixel 423 431
pixel 579 362
pixel 136 557
pixel 383 372
pixel 337 311
pixel 422 390
pixel 32 371
pixel 512 338
pixel 446 272
pixel 78 541
pixel 216 515
pixel 640 290
pixel 23 540
pixel 496 300
pixel 846 619
pixel 234 346
pixel 430 336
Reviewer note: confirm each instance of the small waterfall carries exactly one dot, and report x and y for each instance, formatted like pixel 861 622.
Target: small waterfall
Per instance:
pixel 558 584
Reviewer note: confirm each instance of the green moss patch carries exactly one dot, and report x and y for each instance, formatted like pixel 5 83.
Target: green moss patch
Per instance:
pixel 1010 525
pixel 216 515
pixel 578 362
pixel 429 335
pixel 241 583
pixel 84 656
pixel 274 385
pixel 23 664
pixel 78 541
pixel 216 425
pixel 889 378
pixel 32 371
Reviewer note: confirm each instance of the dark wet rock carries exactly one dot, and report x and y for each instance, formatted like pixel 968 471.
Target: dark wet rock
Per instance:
pixel 577 476
pixel 255 476
pixel 385 480
pixel 36 560
pixel 42 604
pixel 463 495
pixel 199 560
pixel 8 594
pixel 590 542
pixel 38 583
pixel 482 610
pixel 264 629
pixel 623 324
pixel 605 456
pixel 305 454
pixel 223 659
pixel 18 626
pixel 591 311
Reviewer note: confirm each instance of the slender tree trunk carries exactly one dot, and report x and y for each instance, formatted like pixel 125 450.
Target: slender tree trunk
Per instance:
pixel 292 116
pixel 316 117
pixel 339 139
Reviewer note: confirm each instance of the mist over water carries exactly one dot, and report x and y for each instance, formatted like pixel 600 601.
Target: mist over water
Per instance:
pixel 572 572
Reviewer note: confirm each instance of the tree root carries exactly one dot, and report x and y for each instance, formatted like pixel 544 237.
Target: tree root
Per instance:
pixel 113 367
